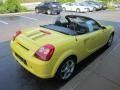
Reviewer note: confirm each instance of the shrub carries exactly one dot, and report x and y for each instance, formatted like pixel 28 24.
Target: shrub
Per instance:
pixel 64 1
pixel 23 9
pixel 111 6
pixel 2 9
pixel 12 6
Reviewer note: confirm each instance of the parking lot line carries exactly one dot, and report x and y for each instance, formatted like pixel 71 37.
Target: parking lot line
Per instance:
pixel 29 18
pixel 3 22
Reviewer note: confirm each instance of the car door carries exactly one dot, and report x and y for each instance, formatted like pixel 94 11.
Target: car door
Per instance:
pixel 41 8
pixel 84 45
pixel 96 35
pixel 94 39
pixel 72 7
pixel 44 7
pixel 68 7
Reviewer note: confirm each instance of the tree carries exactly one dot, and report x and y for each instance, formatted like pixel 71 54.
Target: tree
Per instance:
pixel 64 1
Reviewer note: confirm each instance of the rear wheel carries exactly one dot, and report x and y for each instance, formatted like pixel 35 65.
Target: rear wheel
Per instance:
pixel 66 70
pixel 110 40
pixel 58 12
pixel 78 10
pixel 49 12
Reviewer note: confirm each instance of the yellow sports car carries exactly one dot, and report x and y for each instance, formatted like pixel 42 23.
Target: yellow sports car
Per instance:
pixel 55 49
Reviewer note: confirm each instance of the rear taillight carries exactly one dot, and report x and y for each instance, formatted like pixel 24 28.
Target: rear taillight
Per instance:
pixel 45 52
pixel 16 34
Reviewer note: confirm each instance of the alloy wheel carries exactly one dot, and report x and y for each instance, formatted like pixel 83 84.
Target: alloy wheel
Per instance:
pixel 67 69
pixel 110 41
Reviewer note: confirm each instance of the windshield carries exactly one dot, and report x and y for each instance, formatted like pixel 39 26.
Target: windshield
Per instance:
pixel 55 3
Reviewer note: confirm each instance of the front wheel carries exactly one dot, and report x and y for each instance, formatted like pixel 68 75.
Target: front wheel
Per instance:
pixel 66 70
pixel 37 10
pixel 94 9
pixel 49 12
pixel 110 40
pixel 64 9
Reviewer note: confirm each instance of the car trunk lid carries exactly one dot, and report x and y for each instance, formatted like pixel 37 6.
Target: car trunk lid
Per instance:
pixel 33 39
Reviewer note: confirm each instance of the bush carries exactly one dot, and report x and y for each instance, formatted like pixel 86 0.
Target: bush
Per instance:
pixel 2 9
pixel 65 1
pixel 23 9
pixel 111 6
pixel 12 6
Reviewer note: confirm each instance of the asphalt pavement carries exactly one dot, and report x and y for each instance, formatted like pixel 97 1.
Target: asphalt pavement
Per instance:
pixel 102 74
pixel 100 71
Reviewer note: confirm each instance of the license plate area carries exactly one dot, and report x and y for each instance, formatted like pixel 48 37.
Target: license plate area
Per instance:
pixel 21 59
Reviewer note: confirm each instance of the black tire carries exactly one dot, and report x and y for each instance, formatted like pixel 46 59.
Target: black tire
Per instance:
pixel 78 10
pixel 36 10
pixel 49 12
pixel 66 69
pixel 110 40
pixel 58 13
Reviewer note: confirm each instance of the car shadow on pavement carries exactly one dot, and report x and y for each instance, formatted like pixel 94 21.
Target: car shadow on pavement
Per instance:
pixel 87 61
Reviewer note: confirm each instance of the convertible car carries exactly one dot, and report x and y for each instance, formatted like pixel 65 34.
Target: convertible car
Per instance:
pixel 54 50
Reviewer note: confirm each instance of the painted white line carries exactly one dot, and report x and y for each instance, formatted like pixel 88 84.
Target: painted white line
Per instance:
pixel 29 18
pixel 3 22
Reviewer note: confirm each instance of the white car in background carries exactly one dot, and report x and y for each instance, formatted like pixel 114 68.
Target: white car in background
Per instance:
pixel 97 7
pixel 116 5
pixel 74 7
pixel 90 8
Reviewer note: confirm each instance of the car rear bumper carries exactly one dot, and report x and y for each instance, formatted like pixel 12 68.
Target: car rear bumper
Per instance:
pixel 56 10
pixel 37 67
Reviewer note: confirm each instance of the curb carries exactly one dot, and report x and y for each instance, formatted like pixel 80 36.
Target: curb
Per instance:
pixel 20 13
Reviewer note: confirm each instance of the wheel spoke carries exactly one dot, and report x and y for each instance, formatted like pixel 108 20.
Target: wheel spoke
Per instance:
pixel 64 68
pixel 72 66
pixel 67 69
pixel 110 41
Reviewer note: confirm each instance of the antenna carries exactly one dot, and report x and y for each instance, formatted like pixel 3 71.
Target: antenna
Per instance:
pixel 75 30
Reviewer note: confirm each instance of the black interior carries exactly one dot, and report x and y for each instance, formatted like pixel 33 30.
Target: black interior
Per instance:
pixel 79 28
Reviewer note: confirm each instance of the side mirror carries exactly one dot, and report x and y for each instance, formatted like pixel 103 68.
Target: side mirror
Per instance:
pixel 103 27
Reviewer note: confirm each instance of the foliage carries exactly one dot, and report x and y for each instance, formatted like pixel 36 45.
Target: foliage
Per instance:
pixel 2 9
pixel 29 1
pixel 111 0
pixel 64 1
pixel 11 6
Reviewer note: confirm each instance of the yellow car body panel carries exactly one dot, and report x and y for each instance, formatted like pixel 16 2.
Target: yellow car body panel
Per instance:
pixel 27 43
